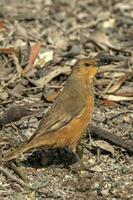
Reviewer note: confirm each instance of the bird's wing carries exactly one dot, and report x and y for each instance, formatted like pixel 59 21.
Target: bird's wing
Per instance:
pixel 69 105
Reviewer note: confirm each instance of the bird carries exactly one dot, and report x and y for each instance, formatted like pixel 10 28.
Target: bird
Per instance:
pixel 66 120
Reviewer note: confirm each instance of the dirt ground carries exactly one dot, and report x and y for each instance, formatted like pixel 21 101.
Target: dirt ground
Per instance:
pixel 39 42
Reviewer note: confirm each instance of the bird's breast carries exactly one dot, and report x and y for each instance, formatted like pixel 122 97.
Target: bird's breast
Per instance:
pixel 71 133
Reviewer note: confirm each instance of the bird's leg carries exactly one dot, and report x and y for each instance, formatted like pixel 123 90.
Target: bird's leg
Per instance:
pixel 80 151
pixel 79 155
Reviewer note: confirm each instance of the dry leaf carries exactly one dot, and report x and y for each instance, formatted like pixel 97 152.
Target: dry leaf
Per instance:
pixel 96 168
pixel 100 38
pixel 44 58
pixel 125 91
pixel 117 72
pixel 104 145
pixel 33 55
pixel 117 98
pixel 8 51
pixel 108 103
pixel 110 23
pixel 2 26
pixel 118 84
pixel 14 113
pixel 126 118
pixel 41 82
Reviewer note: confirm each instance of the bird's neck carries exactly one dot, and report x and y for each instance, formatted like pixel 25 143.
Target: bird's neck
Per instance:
pixel 84 83
pixel 89 85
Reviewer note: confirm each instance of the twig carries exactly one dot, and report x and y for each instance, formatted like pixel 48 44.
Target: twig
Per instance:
pixel 112 97
pixel 55 86
pixel 19 181
pixel 111 137
pixel 108 86
pixel 12 80
pixel 122 113
pixel 18 67
pixel 56 72
pixel 107 69
pixel 18 171
pixel 15 113
pixel 83 26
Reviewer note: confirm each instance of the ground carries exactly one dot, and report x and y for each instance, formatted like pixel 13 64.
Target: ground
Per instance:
pixel 39 42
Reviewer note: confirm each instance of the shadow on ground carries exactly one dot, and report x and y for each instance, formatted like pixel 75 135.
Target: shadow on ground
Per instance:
pixel 46 157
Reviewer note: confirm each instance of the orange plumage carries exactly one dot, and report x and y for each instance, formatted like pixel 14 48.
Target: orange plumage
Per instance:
pixel 65 122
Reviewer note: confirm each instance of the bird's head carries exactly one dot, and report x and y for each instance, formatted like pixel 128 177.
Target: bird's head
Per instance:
pixel 86 67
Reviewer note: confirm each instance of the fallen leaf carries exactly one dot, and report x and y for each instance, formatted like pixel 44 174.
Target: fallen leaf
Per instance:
pixel 104 145
pixel 2 26
pixel 44 58
pixel 33 55
pixel 117 98
pixel 117 72
pixel 126 118
pixel 41 82
pixel 8 51
pixel 110 137
pixel 17 65
pixel 117 84
pixel 102 40
pixel 109 103
pixel 110 23
pixel 126 91
pixel 14 113
pixel 24 55
pixel 96 169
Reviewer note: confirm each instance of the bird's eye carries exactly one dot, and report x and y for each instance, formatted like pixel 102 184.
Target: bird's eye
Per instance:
pixel 87 64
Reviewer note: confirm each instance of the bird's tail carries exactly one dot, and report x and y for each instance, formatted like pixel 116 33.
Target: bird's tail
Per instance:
pixel 16 152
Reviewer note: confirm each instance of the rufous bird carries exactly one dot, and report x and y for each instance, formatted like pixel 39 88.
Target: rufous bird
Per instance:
pixel 67 119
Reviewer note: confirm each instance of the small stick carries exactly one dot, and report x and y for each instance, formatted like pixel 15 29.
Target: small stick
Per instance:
pixel 111 137
pixel 122 113
pixel 19 181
